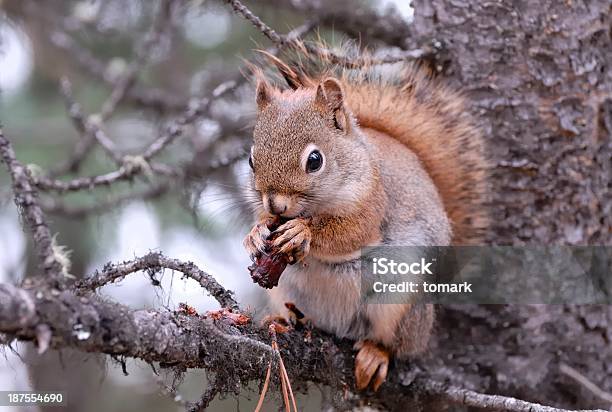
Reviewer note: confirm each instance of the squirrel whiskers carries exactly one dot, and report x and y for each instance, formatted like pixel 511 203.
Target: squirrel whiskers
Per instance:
pixel 350 157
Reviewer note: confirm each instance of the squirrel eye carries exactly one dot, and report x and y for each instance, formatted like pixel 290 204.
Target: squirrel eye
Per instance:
pixel 314 162
pixel 251 163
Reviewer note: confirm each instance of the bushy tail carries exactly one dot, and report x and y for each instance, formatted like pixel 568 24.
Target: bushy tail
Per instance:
pixel 403 101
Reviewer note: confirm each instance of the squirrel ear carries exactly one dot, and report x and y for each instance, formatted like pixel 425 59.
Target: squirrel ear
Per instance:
pixel 330 100
pixel 329 94
pixel 263 94
pixel 293 77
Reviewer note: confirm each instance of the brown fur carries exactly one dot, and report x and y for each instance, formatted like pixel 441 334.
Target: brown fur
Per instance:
pixel 403 165
pixel 429 118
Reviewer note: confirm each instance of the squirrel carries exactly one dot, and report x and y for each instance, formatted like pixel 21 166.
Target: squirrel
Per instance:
pixel 354 157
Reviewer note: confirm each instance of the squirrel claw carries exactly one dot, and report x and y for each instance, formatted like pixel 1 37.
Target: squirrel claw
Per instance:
pixel 297 318
pixel 281 324
pixel 293 238
pixel 255 241
pixel 371 364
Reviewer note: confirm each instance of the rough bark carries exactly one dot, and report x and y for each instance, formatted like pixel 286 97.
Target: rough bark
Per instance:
pixel 238 354
pixel 539 77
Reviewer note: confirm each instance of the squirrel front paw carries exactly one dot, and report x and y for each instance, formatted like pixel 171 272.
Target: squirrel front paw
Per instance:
pixel 255 241
pixel 371 364
pixel 293 238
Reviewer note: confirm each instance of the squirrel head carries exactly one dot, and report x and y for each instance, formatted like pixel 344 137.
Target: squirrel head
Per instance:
pixel 308 155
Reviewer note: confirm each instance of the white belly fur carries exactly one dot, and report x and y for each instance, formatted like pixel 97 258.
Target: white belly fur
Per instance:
pixel 327 294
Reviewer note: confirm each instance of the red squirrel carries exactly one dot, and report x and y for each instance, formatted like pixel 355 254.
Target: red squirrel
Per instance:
pixel 355 157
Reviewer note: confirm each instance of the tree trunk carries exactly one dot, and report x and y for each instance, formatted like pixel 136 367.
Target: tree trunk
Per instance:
pixel 539 78
pixel 539 75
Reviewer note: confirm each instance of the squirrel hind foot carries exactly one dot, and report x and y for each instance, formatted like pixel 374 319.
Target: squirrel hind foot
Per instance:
pixel 371 364
pixel 280 323
pixel 294 319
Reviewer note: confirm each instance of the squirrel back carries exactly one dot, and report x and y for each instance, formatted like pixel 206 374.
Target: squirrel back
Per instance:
pixel 405 102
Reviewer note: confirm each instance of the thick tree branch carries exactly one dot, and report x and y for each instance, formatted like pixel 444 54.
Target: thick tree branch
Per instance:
pixel 233 352
pixel 91 324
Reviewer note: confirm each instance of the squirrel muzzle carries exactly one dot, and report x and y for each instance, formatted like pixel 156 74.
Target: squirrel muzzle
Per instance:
pixel 281 205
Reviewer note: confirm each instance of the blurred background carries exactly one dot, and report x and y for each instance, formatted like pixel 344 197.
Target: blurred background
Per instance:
pixel 193 212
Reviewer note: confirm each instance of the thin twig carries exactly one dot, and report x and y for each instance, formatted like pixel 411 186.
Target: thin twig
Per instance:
pixel 91 130
pixel 194 111
pixel 157 99
pixel 207 397
pixel 26 199
pixel 156 261
pixel 176 127
pixel 264 390
pixel 56 207
pixel 130 169
pixel 585 382
pixel 140 164
pixel 122 86
pixel 282 41
pixel 360 22
pixel 88 182
pixel 88 128
pixel 266 30
pixel 470 398
pixel 72 165
pixel 284 377
pixel 170 392
pixel 287 383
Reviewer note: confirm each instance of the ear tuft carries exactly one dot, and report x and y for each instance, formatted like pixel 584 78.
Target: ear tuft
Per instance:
pixel 294 78
pixel 330 100
pixel 263 94
pixel 329 94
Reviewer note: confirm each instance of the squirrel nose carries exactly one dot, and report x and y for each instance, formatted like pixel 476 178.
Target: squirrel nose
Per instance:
pixel 277 205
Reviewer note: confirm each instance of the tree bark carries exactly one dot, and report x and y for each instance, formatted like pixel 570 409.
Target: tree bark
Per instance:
pixel 539 78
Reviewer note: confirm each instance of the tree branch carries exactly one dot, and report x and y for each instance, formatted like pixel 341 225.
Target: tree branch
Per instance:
pixel 26 199
pixel 357 20
pixel 157 99
pixel 88 129
pixel 156 261
pixel 233 352
pixel 132 165
pixel 207 397
pixel 122 86
pixel 470 398
pixel 91 324
pixel 282 41
pixel 101 206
